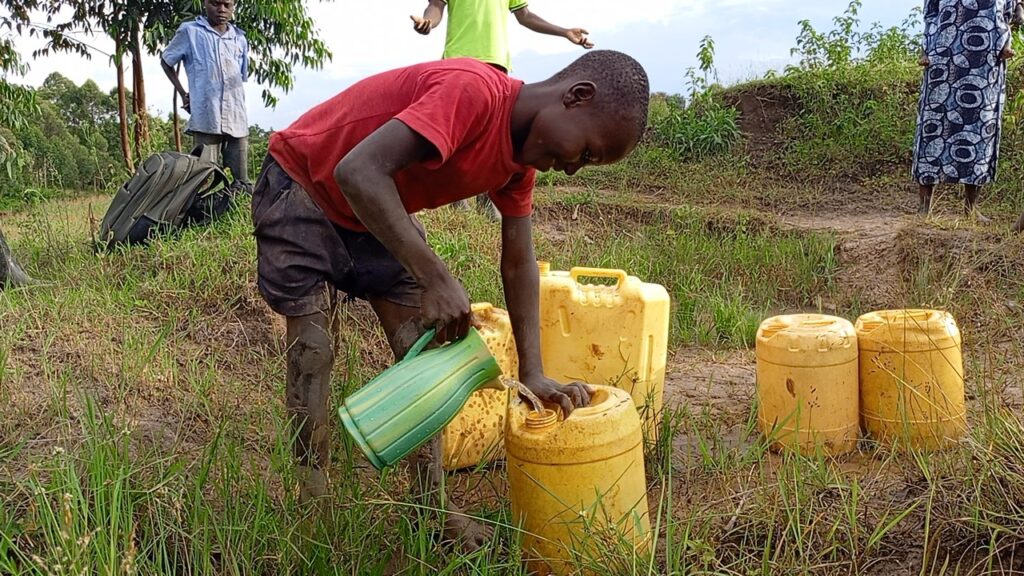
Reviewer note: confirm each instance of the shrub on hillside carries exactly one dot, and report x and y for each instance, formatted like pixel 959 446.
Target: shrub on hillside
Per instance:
pixel 700 126
pixel 857 94
pixel 697 131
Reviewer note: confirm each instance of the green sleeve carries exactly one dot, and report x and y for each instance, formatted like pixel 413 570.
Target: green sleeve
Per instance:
pixel 514 5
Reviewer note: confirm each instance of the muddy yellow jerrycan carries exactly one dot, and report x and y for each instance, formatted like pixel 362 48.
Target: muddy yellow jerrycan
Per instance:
pixel 476 434
pixel 410 402
pixel 614 333
pixel 911 378
pixel 577 486
pixel 807 383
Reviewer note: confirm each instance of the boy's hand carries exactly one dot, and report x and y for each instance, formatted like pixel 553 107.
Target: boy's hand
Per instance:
pixel 421 25
pixel 923 60
pixel 186 102
pixel 579 36
pixel 567 396
pixel 445 307
pixel 1007 52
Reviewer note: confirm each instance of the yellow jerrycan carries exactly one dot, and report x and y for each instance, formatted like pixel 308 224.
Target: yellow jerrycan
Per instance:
pixel 475 435
pixel 807 383
pixel 577 486
pixel 614 334
pixel 912 378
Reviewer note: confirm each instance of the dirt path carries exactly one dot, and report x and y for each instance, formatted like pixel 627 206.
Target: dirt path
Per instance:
pixel 866 249
pixel 722 383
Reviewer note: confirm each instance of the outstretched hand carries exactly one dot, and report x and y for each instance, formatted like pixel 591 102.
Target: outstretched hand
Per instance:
pixel 421 25
pixel 566 396
pixel 579 36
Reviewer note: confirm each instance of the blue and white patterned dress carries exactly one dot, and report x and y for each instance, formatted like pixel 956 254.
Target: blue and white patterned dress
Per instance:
pixel 963 91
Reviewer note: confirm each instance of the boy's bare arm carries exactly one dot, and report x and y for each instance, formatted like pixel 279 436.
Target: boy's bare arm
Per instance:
pixel 366 178
pixel 432 16
pixel 172 75
pixel 522 295
pixel 542 26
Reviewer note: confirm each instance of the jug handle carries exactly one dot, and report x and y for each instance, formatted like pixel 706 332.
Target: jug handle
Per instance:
pixel 577 271
pixel 420 344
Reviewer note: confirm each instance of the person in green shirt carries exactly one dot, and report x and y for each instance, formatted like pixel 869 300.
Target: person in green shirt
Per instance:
pixel 479 29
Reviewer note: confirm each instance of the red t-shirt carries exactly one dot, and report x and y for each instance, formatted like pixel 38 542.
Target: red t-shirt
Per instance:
pixel 461 106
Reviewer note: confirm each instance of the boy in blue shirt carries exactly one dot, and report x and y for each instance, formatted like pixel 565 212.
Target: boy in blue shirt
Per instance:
pixel 216 57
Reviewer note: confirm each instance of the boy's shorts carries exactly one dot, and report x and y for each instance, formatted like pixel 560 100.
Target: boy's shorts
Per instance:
pixel 302 257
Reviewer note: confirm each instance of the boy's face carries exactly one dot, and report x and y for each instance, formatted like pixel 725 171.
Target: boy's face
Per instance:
pixel 577 134
pixel 219 12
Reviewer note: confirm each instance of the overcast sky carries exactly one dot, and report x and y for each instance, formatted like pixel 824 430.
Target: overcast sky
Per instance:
pixel 751 36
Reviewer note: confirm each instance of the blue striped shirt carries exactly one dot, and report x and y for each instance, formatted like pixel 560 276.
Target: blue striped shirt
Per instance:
pixel 216 66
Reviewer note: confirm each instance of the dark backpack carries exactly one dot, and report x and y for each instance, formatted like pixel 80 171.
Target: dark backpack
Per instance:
pixel 168 191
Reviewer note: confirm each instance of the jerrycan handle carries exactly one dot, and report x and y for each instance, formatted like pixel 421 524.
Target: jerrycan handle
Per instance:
pixel 420 344
pixel 578 271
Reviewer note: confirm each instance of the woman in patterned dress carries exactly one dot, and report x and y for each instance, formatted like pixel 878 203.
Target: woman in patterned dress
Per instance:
pixel 966 45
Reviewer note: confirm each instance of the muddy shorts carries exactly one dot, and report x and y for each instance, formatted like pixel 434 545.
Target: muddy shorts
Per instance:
pixel 302 257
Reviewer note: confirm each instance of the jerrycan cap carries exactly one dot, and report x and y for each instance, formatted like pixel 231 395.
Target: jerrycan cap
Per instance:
pixel 536 420
pixel 808 339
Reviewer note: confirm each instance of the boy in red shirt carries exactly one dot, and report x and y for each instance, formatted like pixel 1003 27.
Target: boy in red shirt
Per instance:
pixel 332 211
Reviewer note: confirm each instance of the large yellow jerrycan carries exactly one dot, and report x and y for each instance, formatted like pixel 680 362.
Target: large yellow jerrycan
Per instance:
pixel 577 486
pixel 807 383
pixel 911 377
pixel 606 334
pixel 475 435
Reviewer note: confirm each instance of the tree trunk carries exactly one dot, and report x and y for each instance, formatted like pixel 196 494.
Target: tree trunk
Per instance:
pixel 177 120
pixel 139 95
pixel 122 108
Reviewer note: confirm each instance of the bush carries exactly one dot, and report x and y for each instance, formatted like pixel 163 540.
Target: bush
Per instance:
pixel 702 127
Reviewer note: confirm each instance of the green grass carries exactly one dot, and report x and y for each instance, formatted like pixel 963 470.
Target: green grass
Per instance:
pixel 724 272
pixel 144 430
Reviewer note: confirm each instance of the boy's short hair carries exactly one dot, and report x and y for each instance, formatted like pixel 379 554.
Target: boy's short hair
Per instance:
pixel 621 81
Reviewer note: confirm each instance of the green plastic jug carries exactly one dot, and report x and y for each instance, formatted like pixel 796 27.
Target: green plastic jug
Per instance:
pixel 410 402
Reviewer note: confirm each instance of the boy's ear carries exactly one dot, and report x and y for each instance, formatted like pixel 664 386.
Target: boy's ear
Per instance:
pixel 581 92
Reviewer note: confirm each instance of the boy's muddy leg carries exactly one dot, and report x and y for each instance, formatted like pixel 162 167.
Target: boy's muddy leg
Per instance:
pixel 971 193
pixel 487 208
pixel 402 327
pixel 429 484
pixel 310 358
pixel 924 204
